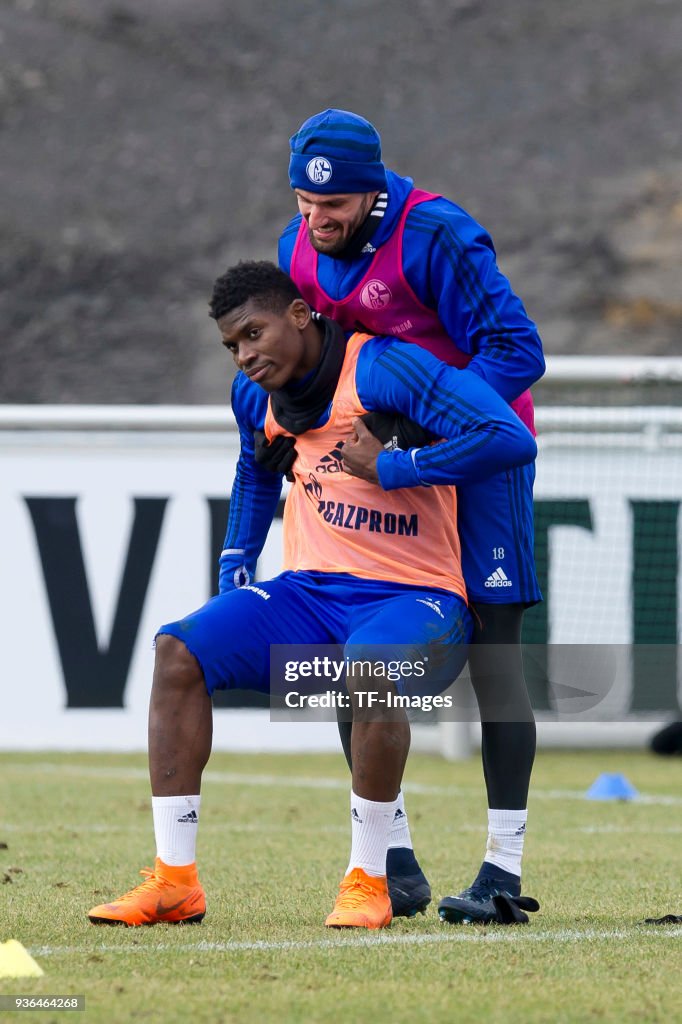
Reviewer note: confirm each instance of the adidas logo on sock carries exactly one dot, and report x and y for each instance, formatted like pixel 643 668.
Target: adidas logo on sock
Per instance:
pixel 190 818
pixel 355 816
pixel 498 579
pixel 398 814
pixel 520 830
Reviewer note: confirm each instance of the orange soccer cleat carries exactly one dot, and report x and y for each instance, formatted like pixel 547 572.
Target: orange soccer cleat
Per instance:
pixel 363 902
pixel 169 894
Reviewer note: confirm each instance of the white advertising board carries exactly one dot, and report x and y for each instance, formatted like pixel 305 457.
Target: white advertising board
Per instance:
pixel 109 533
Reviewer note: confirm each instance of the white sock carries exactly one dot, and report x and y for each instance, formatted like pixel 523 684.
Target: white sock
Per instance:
pixel 175 826
pixel 371 822
pixel 506 833
pixel 399 832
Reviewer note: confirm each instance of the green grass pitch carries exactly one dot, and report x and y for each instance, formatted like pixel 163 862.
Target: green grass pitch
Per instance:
pixel 273 843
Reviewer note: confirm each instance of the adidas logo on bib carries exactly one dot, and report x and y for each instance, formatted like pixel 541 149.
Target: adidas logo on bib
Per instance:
pixel 498 579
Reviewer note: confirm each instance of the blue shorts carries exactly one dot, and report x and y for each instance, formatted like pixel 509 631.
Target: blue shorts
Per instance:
pixel 495 522
pixel 230 636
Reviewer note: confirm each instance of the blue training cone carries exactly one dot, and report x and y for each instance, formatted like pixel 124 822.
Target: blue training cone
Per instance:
pixel 611 786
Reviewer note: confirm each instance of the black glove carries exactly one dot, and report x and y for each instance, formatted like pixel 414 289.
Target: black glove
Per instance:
pixel 277 456
pixel 668 919
pixel 397 431
pixel 510 909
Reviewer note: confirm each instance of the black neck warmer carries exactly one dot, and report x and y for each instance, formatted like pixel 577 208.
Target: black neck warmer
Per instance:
pixel 298 406
pixel 357 241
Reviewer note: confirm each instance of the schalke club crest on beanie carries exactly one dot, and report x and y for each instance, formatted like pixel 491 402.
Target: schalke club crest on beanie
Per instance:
pixel 336 152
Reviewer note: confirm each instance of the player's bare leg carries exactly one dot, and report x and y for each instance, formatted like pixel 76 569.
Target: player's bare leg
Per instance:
pixel 180 721
pixel 180 734
pixel 380 744
pixel 408 886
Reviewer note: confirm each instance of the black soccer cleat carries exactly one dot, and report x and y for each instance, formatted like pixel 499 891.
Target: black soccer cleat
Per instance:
pixel 667 919
pixel 408 887
pixel 487 901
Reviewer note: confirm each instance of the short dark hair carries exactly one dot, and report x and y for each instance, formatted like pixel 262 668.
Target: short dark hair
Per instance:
pixel 251 279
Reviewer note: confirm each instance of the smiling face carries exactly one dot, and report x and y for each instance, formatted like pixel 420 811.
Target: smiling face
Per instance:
pixel 271 348
pixel 332 220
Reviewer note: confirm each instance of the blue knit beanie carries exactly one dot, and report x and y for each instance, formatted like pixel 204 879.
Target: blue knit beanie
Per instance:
pixel 336 152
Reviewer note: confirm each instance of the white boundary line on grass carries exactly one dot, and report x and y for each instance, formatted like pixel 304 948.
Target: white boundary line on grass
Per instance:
pixel 305 782
pixel 97 828
pixel 466 934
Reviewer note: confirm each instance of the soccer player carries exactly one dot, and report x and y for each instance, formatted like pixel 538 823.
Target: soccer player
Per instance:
pixel 371 557
pixel 377 254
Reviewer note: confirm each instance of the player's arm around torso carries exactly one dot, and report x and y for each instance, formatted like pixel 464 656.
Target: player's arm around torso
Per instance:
pixel 482 435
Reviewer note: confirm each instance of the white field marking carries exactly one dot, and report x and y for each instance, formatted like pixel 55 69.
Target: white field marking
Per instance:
pixel 221 826
pixel 218 826
pixel 99 827
pixel 619 829
pixel 576 794
pixel 305 782
pixel 452 934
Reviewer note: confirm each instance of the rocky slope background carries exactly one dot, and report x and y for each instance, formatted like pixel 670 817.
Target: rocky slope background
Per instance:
pixel 145 147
